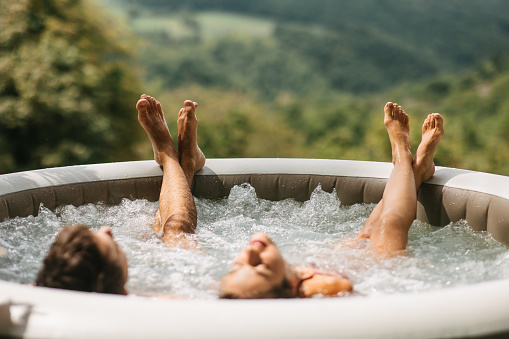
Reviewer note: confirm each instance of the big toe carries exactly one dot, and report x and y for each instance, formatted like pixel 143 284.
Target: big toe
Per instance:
pixel 141 104
pixel 190 106
pixel 438 119
pixel 388 108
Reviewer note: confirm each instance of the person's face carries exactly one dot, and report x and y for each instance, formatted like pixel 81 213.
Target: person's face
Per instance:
pixel 109 248
pixel 256 269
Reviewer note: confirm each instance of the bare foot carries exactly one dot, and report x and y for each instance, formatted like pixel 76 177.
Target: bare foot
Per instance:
pixel 191 157
pixel 396 123
pixel 151 118
pixel 432 133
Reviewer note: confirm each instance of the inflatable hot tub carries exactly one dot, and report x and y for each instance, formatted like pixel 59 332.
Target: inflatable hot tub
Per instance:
pixel 479 310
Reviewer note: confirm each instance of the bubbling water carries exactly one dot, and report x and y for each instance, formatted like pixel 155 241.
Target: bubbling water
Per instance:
pixel 307 234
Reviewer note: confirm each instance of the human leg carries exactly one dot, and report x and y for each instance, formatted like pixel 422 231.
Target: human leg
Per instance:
pixel 432 133
pixel 177 211
pixel 387 226
pixel 191 157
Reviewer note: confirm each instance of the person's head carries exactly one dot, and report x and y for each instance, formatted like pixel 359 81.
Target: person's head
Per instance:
pixel 84 260
pixel 259 271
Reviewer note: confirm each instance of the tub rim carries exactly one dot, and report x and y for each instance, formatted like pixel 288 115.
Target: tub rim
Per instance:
pixel 478 310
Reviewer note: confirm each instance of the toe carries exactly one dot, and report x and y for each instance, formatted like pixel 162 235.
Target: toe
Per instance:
pixel 396 112
pixel 438 118
pixel 159 108
pixel 189 106
pixel 141 104
pixel 388 107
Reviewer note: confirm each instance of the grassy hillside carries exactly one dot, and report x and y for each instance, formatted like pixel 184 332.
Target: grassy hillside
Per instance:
pixel 309 79
pixel 335 125
pixel 207 25
pixel 354 45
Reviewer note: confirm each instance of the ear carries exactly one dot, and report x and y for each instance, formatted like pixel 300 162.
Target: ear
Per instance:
pixel 99 283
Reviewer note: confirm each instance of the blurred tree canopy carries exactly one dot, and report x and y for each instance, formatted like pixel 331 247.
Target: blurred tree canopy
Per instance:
pixel 67 89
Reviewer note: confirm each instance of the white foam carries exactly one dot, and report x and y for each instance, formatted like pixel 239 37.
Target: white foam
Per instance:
pixel 307 233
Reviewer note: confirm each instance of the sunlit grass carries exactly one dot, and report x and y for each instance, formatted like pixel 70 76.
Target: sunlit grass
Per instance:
pixel 170 24
pixel 220 24
pixel 210 25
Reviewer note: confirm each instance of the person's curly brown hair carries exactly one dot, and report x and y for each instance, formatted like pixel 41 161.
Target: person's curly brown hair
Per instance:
pixel 283 290
pixel 74 262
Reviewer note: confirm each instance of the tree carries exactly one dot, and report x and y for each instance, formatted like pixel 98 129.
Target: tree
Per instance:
pixel 67 91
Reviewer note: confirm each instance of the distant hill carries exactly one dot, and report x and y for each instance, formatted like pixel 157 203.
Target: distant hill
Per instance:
pixel 362 44
pixel 294 78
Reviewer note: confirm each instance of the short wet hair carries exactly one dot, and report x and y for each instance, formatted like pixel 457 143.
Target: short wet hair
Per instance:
pixel 74 262
pixel 283 290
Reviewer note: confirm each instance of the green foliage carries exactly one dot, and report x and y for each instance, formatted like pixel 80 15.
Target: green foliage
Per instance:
pixel 66 90
pixel 231 64
pixel 331 125
pixel 295 79
pixel 231 124
pixel 354 46
pixel 475 109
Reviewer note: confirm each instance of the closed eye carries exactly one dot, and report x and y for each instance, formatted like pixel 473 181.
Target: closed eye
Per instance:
pixel 263 270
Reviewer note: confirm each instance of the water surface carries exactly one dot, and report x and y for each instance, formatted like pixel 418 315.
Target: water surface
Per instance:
pixel 307 233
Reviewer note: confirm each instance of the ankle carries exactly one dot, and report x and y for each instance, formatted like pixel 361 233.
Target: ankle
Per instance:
pixel 187 163
pixel 169 154
pixel 402 154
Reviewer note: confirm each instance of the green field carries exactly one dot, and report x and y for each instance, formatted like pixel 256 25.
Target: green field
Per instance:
pixel 210 25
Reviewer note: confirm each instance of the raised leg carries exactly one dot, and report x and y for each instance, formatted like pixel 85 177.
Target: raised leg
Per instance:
pixel 432 133
pixel 177 211
pixel 387 226
pixel 190 155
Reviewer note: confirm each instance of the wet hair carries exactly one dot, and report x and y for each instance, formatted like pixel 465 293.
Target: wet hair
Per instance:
pixel 283 290
pixel 74 262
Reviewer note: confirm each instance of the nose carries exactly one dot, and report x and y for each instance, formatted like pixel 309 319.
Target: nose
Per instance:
pixel 106 230
pixel 253 256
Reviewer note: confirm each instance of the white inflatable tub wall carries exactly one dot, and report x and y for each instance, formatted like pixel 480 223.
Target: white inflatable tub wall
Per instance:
pixel 480 310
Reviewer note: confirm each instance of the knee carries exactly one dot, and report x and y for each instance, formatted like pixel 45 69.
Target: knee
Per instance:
pixel 179 223
pixel 401 220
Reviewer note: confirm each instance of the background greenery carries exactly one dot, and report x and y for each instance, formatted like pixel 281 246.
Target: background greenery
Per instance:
pixel 286 78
